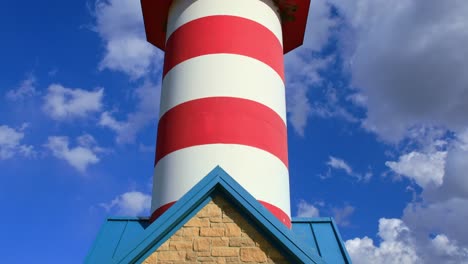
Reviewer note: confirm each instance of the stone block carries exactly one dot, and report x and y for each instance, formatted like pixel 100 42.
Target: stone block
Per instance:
pixel 224 252
pixel 253 254
pixel 198 222
pixel 220 242
pixel 181 245
pixel 210 210
pixel 191 232
pixel 241 242
pixel 233 230
pixel 211 232
pixel 201 244
pixel 171 255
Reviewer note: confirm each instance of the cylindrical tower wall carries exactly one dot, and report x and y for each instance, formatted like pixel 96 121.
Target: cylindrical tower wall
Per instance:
pixel 223 102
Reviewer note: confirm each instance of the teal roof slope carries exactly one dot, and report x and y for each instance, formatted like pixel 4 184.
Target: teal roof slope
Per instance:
pixel 132 240
pixel 321 235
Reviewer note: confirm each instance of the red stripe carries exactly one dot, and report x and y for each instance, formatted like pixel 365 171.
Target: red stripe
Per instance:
pixel 225 120
pixel 278 213
pixel 224 34
pixel 158 212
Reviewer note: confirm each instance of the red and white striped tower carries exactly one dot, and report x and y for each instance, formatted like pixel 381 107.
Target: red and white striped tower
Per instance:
pixel 223 96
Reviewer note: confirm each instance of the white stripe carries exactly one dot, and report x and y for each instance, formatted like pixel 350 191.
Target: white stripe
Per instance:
pixel 263 12
pixel 227 75
pixel 263 175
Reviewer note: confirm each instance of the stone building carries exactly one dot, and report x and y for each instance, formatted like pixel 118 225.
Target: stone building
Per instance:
pixel 218 221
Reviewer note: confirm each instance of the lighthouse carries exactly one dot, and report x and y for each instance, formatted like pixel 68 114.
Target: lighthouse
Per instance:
pixel 223 97
pixel 221 180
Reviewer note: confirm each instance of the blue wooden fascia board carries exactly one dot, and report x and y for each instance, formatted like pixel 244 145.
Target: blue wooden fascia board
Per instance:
pixel 165 236
pixel 184 209
pixel 99 237
pixel 344 252
pixel 331 221
pixel 312 219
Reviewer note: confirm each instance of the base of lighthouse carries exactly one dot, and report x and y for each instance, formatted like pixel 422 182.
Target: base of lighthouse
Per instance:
pixel 217 221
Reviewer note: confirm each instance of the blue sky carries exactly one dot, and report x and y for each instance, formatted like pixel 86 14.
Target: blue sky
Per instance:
pixel 378 125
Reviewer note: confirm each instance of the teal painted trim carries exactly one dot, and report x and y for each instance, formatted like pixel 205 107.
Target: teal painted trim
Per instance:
pixel 340 241
pixel 311 219
pixel 331 221
pixel 165 226
pixel 99 237
pixel 127 218
pixel 141 258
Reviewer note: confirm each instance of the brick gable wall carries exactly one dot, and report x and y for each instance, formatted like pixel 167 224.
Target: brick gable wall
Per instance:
pixel 217 234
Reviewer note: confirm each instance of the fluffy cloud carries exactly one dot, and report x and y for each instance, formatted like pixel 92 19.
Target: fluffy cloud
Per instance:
pixel 450 250
pixel 424 168
pixel 61 103
pixel 437 218
pixel 337 163
pixel 397 246
pixel 80 156
pixel 407 59
pixel 147 97
pixel 129 204
pixel 320 25
pixel 407 70
pixel 303 66
pixel 302 69
pixel 342 215
pixel 447 217
pixel 26 89
pixel 400 244
pixel 119 23
pixel 438 167
pixel 305 209
pixel 331 107
pixel 10 143
pixel 340 164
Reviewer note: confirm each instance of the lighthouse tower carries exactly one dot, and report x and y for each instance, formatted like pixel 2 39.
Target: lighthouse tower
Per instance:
pixel 223 97
pixel 221 181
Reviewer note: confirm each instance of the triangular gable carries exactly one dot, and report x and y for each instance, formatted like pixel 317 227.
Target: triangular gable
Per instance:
pixel 219 233
pixel 217 181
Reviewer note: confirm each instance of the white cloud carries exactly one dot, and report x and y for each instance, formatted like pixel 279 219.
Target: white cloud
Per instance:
pixel 438 166
pixel 407 59
pixel 401 244
pixel 129 204
pixel 305 209
pixel 436 218
pixel 332 108
pixel 146 112
pixel 340 164
pixel 119 23
pixel 320 25
pixel 337 163
pixel 447 217
pixel 342 215
pixel 396 247
pixel 10 143
pixel 449 249
pixel 424 168
pixel 63 103
pixel 26 89
pixel 79 157
pixel 303 65
pixel 302 70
